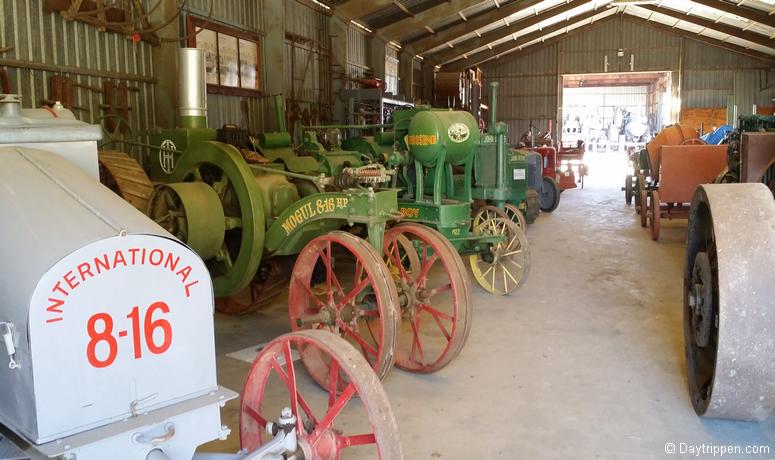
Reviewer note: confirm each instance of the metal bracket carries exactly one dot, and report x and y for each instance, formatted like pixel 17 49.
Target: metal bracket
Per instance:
pixel 9 345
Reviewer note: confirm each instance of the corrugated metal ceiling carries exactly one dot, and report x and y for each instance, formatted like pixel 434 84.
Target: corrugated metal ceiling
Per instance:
pixel 393 13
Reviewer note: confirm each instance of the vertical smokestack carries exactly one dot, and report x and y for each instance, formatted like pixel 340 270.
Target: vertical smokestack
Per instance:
pixel 493 103
pixel 193 88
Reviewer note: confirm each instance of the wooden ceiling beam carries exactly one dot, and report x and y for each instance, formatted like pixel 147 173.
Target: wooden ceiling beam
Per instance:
pixel 494 51
pixel 503 32
pixel 752 37
pixel 401 28
pixel 743 11
pixel 474 22
pixel 768 58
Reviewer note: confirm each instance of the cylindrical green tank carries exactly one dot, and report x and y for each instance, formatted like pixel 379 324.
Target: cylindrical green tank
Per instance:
pixel 433 132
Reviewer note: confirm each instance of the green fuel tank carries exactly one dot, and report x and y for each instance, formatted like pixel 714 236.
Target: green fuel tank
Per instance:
pixel 437 133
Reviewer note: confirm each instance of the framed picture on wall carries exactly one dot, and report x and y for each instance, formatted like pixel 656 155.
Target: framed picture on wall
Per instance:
pixel 232 57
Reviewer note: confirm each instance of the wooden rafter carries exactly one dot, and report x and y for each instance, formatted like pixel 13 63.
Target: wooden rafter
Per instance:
pixel 503 32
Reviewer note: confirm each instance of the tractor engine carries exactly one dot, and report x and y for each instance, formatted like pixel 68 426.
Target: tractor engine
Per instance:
pixel 106 319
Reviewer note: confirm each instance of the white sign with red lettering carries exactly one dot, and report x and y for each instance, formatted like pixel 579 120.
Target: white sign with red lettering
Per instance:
pixel 121 326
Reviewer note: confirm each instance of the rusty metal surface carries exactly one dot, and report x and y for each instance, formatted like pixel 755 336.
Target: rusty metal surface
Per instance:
pixel 671 135
pixel 684 167
pixel 742 218
pixel 757 154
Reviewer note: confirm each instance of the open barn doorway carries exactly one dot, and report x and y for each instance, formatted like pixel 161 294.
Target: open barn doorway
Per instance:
pixel 612 114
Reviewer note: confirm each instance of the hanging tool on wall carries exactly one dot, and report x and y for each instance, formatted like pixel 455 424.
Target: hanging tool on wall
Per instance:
pixel 115 105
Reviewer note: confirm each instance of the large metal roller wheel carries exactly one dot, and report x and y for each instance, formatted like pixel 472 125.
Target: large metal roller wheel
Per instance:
pixel 506 266
pixel 435 297
pixel 628 183
pixel 355 420
pixel 355 299
pixel 654 215
pixel 550 195
pixel 729 301
pixel 192 212
pixel 124 176
pixel 222 167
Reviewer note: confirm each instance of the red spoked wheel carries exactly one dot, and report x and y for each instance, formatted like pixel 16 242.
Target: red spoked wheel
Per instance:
pixel 356 420
pixel 339 283
pixel 434 295
pixel 654 215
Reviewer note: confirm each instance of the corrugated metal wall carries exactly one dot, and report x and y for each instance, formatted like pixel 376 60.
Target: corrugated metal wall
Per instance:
pixel 711 75
pixel 527 90
pixel 249 112
pixel 307 57
pixel 245 14
pixel 48 39
pixel 530 79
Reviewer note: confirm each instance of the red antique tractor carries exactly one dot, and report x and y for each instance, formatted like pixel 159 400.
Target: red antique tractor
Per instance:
pixel 562 170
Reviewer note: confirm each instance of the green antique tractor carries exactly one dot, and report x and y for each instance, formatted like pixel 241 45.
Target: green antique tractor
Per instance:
pixel 399 297
pixel 444 167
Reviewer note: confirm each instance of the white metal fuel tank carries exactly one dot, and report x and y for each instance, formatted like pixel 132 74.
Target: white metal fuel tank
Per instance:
pixel 106 320
pixel 55 129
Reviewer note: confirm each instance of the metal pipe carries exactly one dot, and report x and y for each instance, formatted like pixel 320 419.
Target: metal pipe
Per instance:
pixel 192 98
pixel 60 69
pixel 493 103
pixel 279 112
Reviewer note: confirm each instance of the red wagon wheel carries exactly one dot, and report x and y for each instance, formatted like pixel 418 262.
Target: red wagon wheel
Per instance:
pixel 654 217
pixel 357 419
pixel 355 299
pixel 435 297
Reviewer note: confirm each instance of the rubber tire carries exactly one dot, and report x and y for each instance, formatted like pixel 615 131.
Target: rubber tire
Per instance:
pixel 550 195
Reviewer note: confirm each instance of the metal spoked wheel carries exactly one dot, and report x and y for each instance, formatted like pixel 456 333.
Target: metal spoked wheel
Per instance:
pixel 516 216
pixel 654 215
pixel 729 301
pixel 355 298
pixel 628 192
pixel 332 424
pixel 644 200
pixel 638 190
pixel 550 195
pixel 435 297
pixel 509 212
pixel 505 267
pixel 222 168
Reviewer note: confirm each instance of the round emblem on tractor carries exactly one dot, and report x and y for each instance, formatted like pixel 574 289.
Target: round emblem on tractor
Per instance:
pixel 167 156
pixel 458 132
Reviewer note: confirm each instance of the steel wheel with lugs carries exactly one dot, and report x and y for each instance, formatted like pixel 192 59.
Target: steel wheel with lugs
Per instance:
pixel 340 284
pixel 352 417
pixel 506 265
pixel 434 296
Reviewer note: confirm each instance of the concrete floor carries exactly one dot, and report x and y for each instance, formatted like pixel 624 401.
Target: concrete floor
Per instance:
pixel 585 361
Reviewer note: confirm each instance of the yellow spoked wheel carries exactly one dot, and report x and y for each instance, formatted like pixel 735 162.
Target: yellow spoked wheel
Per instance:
pixel 505 267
